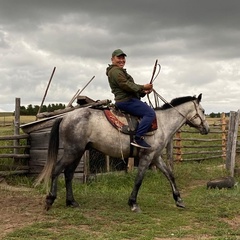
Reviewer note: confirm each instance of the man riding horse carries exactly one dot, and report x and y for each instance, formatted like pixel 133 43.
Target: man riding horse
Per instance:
pixel 127 96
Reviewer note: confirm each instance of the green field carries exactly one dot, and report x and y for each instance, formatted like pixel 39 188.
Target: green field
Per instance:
pixel 104 213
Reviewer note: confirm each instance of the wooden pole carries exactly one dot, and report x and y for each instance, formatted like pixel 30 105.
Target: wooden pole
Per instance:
pixel 224 136
pixel 79 92
pixel 169 152
pixel 45 94
pixel 178 146
pixel 16 124
pixel 107 158
pixel 85 166
pixel 130 166
pixel 232 141
pixel 73 99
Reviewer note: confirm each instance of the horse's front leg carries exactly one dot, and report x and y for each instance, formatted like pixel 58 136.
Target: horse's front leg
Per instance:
pixel 142 167
pixel 169 175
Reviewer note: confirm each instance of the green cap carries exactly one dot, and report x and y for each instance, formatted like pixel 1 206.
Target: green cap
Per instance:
pixel 118 52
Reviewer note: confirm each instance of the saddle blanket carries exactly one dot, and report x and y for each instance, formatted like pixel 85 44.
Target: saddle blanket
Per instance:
pixel 126 123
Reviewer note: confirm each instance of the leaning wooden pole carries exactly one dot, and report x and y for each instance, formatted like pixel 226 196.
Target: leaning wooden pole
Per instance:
pixel 45 94
pixel 79 92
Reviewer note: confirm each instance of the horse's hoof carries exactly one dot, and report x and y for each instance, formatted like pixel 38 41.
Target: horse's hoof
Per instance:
pixel 73 204
pixel 180 203
pixel 49 202
pixel 135 208
pixel 47 206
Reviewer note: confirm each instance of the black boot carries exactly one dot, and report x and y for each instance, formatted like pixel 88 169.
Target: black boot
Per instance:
pixel 139 142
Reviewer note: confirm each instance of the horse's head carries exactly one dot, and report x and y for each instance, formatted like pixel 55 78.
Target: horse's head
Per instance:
pixel 198 120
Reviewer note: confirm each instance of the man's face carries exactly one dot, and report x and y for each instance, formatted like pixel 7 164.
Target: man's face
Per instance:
pixel 119 61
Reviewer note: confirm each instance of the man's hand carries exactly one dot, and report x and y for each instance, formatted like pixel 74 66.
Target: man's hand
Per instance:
pixel 147 91
pixel 148 87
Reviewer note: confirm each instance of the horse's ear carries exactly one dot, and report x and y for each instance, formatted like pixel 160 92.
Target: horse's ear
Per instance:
pixel 199 98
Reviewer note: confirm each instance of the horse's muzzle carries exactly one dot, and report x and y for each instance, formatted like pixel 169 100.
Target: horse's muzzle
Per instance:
pixel 205 130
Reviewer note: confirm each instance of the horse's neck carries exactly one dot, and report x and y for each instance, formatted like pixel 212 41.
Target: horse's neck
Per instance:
pixel 172 119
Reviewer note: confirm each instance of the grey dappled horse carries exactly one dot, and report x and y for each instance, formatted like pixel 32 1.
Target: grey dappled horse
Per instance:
pixel 87 127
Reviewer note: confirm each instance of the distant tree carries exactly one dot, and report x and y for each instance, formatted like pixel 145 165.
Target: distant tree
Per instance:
pixel 212 115
pixel 44 108
pixel 33 110
pixel 30 110
pixel 23 110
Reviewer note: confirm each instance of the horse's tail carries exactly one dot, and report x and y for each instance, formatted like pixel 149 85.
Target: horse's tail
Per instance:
pixel 52 155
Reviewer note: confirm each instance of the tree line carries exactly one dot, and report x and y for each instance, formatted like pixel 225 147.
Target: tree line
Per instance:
pixel 218 115
pixel 33 110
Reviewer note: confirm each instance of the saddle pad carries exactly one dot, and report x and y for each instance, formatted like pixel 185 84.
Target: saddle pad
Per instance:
pixel 121 123
pixel 113 119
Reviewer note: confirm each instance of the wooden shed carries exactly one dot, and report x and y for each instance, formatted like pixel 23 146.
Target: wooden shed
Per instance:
pixel 39 132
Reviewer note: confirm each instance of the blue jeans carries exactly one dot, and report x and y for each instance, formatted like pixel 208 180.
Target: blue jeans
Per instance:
pixel 140 109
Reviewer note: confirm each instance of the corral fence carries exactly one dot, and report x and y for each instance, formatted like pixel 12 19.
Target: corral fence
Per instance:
pixel 221 143
pixel 187 145
pixel 14 148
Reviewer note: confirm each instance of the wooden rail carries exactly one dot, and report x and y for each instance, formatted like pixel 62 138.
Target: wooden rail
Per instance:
pixel 19 165
pixel 183 148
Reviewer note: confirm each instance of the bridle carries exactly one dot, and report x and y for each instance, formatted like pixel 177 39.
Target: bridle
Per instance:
pixel 189 122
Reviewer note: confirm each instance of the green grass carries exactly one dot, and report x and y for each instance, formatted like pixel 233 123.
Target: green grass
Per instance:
pixel 104 213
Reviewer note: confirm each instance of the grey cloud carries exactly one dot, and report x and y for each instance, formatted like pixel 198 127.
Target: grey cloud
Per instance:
pixel 195 41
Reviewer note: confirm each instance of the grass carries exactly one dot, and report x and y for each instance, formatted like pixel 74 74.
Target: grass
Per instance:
pixel 104 214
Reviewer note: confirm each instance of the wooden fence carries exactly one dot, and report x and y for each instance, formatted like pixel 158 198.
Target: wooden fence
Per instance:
pixel 19 155
pixel 187 144
pixel 221 143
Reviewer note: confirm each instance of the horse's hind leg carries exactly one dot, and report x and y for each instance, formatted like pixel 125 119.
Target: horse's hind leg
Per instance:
pixel 169 175
pixel 69 169
pixel 68 173
pixel 53 191
pixel 142 167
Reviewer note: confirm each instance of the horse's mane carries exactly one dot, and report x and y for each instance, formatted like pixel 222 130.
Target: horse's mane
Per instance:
pixel 176 101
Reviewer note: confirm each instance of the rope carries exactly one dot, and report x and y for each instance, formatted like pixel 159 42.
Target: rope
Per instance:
pixel 165 101
pixel 121 146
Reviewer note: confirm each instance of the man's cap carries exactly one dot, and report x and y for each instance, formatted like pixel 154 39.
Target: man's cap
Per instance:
pixel 118 52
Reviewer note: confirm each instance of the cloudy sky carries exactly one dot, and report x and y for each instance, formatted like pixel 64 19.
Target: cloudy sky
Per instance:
pixel 196 42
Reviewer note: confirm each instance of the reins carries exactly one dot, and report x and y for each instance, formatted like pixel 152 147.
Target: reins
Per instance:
pixel 188 121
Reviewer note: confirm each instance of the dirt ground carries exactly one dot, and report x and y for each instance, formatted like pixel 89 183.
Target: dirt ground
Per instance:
pixel 18 208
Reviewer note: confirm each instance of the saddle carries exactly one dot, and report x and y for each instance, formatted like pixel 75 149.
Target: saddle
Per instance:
pixel 125 122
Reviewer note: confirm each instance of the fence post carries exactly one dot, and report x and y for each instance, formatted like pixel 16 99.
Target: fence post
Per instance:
pixel 224 137
pixel 85 158
pixel 169 152
pixel 178 146
pixel 16 124
pixel 107 158
pixel 232 141
pixel 130 166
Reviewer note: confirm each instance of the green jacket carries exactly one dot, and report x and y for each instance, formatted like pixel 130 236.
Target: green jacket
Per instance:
pixel 122 84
